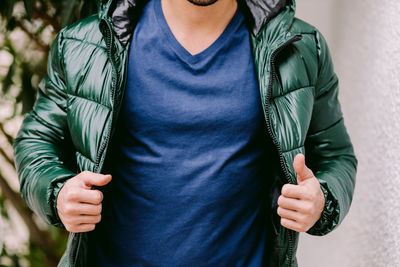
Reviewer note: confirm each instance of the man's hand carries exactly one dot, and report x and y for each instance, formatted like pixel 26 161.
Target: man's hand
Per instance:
pixel 78 206
pixel 301 205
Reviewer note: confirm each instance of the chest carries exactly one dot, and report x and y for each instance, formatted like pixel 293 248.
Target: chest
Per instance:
pixel 171 92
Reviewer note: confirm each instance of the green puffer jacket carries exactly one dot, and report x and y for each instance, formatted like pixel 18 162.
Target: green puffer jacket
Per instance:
pixel 73 119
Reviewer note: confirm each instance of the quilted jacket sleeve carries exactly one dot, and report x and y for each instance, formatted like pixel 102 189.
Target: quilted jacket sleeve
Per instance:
pixel 329 151
pixel 41 146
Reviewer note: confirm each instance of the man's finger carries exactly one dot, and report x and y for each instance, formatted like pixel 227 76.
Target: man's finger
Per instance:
pixel 291 224
pixel 89 209
pixel 294 191
pixel 288 214
pixel 83 219
pixel 86 227
pixel 91 178
pixel 299 165
pixel 94 197
pixel 290 203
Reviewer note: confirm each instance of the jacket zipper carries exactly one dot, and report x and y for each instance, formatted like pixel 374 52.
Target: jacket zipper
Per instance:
pixel 271 134
pixel 109 44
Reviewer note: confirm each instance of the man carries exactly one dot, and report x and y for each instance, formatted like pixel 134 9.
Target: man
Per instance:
pixel 177 132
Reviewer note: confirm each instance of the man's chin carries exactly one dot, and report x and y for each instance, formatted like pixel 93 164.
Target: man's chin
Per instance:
pixel 203 2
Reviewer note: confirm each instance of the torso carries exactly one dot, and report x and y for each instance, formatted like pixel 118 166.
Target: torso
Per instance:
pixel 190 156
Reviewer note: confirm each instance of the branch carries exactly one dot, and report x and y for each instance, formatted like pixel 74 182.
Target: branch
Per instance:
pixel 39 237
pixel 8 159
pixel 42 15
pixel 10 139
pixel 43 47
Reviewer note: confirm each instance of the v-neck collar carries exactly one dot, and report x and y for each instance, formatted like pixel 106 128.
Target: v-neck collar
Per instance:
pixel 180 51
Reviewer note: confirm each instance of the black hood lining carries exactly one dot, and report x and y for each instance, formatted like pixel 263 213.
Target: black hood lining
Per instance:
pixel 125 14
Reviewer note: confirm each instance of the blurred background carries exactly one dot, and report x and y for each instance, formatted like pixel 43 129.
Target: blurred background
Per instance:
pixel 364 38
pixel 27 29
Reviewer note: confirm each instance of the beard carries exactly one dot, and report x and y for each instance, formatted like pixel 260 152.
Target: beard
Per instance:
pixel 202 2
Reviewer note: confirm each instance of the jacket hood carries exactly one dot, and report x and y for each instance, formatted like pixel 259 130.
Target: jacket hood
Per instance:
pixel 123 14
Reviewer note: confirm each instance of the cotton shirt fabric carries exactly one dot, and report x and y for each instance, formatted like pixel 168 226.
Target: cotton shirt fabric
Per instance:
pixel 190 157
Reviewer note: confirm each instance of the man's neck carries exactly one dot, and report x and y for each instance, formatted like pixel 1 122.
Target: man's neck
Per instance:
pixel 196 27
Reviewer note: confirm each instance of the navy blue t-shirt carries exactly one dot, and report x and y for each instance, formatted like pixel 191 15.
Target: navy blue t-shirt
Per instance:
pixel 190 155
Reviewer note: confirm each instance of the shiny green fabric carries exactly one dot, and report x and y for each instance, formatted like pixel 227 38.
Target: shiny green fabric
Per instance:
pixel 72 121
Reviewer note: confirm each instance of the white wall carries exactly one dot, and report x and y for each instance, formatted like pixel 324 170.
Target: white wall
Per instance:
pixel 364 37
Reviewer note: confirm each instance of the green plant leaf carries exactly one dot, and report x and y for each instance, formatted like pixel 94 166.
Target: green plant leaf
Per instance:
pixel 11 23
pixel 27 92
pixel 89 7
pixel 29 7
pixel 3 208
pixel 6 8
pixel 69 11
pixel 7 82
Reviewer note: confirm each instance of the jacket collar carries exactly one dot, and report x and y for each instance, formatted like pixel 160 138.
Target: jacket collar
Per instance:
pixel 124 14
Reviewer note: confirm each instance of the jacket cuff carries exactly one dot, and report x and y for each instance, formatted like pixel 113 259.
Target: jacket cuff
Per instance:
pixel 330 215
pixel 56 190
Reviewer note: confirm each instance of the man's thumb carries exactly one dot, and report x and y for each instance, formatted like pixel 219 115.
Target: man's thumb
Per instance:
pixel 299 165
pixel 96 179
